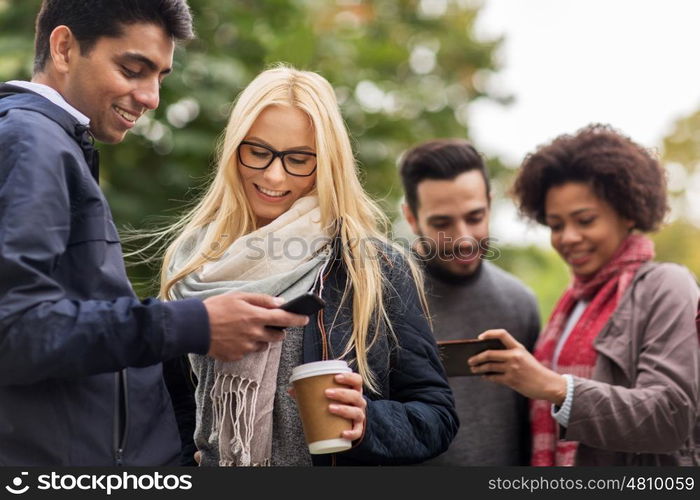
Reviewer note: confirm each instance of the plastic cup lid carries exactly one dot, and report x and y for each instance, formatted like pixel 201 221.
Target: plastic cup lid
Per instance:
pixel 319 368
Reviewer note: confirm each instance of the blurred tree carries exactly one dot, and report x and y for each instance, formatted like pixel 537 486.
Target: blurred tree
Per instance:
pixel 681 155
pixel 403 70
pixel 680 240
pixel 682 145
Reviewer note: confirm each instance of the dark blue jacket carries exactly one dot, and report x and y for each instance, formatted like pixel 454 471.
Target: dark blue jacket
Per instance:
pixel 412 418
pixel 70 323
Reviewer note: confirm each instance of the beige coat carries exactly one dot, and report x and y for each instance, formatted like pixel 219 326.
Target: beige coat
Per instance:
pixel 640 406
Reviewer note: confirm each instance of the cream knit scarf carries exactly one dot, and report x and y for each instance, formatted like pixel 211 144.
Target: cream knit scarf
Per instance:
pixel 283 258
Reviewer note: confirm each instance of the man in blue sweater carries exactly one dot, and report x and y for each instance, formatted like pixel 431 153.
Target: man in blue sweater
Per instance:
pixel 80 355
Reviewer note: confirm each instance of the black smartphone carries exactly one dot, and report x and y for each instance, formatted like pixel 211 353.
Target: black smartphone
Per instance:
pixel 307 304
pixel 456 353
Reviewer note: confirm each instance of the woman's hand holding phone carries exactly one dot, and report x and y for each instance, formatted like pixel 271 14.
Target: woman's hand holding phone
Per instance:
pixel 518 369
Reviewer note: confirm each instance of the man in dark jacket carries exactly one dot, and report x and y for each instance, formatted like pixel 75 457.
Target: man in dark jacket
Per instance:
pixel 80 356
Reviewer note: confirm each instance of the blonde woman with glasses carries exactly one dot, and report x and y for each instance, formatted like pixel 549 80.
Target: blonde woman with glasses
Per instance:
pixel 286 214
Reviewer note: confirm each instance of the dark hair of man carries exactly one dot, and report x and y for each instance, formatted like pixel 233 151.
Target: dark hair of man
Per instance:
pixel 619 171
pixel 90 20
pixel 438 159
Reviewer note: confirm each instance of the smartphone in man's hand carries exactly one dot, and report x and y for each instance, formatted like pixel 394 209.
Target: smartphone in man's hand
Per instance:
pixel 307 304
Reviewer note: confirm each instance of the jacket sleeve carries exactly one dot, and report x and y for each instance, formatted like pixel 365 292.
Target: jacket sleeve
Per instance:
pixel 43 333
pixel 658 413
pixel 417 420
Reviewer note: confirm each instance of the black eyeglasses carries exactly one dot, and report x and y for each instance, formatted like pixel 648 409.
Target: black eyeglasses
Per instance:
pixel 260 156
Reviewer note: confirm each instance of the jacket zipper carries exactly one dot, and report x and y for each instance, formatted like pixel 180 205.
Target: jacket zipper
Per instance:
pixel 325 273
pixel 121 416
pixel 324 355
pixel 324 339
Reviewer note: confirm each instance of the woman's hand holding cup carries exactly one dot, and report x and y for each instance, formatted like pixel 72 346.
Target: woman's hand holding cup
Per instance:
pixel 349 403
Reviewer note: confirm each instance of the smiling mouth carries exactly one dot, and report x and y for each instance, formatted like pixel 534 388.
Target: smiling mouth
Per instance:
pixel 577 257
pixel 270 192
pixel 131 118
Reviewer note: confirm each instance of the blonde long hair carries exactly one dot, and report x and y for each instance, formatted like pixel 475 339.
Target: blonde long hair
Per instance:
pixel 226 213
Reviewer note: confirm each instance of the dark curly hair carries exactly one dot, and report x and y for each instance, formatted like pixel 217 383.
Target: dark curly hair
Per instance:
pixel 620 171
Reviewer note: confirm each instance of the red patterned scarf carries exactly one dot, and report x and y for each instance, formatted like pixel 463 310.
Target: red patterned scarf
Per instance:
pixel 577 357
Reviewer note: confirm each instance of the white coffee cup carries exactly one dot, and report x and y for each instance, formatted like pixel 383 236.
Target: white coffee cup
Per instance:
pixel 322 428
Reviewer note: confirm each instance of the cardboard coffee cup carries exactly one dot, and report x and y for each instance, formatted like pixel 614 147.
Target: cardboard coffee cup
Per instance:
pixel 322 428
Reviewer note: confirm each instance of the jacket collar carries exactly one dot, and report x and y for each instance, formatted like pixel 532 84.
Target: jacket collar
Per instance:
pixel 15 97
pixel 611 341
pixel 52 95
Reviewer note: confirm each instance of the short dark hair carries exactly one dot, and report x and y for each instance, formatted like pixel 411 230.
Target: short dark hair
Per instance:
pixel 442 159
pixel 90 20
pixel 620 171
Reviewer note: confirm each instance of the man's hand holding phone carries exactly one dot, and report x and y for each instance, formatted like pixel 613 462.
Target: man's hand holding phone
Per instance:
pixel 241 323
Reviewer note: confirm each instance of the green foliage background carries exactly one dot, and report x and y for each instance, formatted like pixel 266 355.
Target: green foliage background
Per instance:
pixel 363 48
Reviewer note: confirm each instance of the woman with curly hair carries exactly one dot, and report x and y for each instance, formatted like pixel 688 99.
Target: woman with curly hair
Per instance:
pixel 614 378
